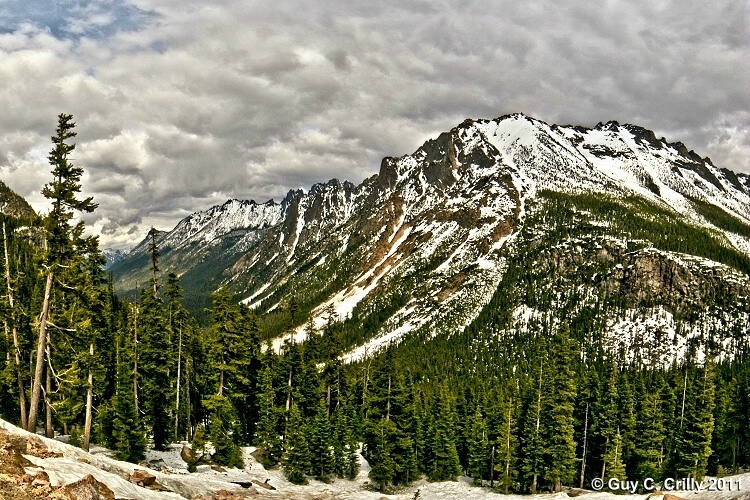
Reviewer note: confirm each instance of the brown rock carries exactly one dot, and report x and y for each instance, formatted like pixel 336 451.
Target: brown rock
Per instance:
pixel 84 460
pixel 142 478
pixel 229 495
pixel 41 480
pixel 574 493
pixel 88 488
pixel 41 492
pixel 223 495
pixel 669 496
pixel 188 455
pixel 37 448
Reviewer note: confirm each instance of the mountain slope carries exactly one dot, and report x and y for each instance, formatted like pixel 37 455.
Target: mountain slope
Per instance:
pixel 422 247
pixel 13 204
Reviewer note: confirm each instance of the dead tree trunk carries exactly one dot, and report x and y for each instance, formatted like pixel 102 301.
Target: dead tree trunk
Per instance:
pixel 89 401
pixel 135 354
pixel 41 345
pixel 177 403
pixel 585 438
pixel 14 330
pixel 289 392
pixel 49 431
pixel 188 408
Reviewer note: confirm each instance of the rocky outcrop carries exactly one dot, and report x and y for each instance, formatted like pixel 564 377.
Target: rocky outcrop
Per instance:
pixel 88 488
pixel 13 204
pixel 142 478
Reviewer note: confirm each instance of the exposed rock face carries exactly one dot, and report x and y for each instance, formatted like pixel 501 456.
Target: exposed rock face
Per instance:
pixel 13 204
pixel 88 488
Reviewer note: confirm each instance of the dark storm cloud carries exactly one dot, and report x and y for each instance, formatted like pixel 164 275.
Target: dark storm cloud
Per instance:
pixel 183 105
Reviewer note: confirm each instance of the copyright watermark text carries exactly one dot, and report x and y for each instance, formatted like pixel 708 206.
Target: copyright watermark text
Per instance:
pixel 668 484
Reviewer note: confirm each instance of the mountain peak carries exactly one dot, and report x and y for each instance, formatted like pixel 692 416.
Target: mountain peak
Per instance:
pixel 426 238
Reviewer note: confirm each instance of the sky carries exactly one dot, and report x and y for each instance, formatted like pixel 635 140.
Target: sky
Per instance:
pixel 182 105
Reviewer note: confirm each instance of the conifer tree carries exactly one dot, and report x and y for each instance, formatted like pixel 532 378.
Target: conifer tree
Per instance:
pixel 730 430
pixel 445 463
pixel 651 437
pixel 198 443
pixel 10 322
pixel 531 460
pixel 383 462
pixel 478 447
pixel 347 433
pixel 62 191
pixel 296 458
pixel 223 424
pixel 627 417
pixel 424 448
pixel 505 446
pixel 180 326
pixel 613 459
pixel 409 424
pixel 129 437
pixel 391 441
pixel 87 311
pixel 232 351
pixel 319 445
pixel 268 440
pixel 557 413
pixel 153 360
pixel 338 442
pixel 692 444
pixel 606 416
pixel 246 397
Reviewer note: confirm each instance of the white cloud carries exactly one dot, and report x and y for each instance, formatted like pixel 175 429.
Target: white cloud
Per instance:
pixel 187 104
pixel 730 142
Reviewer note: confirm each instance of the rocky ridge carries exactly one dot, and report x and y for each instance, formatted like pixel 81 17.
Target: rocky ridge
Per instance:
pixel 13 204
pixel 427 238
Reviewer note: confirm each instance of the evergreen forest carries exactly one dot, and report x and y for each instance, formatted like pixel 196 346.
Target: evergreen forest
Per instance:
pixel 527 410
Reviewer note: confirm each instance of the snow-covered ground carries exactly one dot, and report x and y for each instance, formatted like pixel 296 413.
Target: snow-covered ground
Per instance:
pixel 75 464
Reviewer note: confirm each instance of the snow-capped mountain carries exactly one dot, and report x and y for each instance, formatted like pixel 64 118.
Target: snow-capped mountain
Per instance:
pixel 424 246
pixel 113 255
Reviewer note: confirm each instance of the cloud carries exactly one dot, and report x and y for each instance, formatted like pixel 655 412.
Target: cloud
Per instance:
pixel 182 105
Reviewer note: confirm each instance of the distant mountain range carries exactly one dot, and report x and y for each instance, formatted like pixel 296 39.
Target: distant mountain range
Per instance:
pixel 113 256
pixel 495 224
